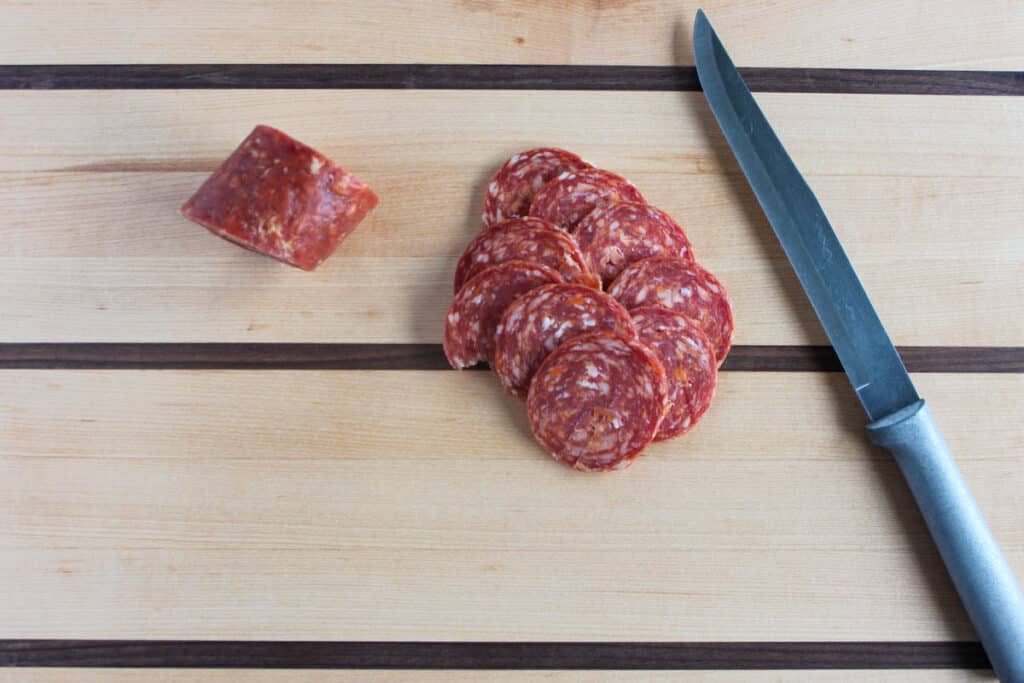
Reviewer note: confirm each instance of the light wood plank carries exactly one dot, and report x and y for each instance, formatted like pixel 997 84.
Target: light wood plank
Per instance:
pixel 905 34
pixel 416 506
pixel 398 300
pixel 429 133
pixel 118 215
pixel 94 250
pixel 369 676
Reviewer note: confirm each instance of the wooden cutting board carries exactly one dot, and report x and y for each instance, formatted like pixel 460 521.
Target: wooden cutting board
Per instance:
pixel 199 443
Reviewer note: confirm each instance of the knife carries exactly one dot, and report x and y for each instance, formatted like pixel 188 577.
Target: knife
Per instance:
pixel 899 420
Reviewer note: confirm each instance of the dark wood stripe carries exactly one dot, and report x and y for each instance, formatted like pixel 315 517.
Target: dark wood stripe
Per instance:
pixel 482 655
pixel 224 356
pixel 89 356
pixel 498 77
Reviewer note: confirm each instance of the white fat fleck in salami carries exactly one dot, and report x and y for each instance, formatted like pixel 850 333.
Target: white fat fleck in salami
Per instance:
pixel 567 199
pixel 525 239
pixel 680 286
pixel 512 189
pixel 473 317
pixel 620 233
pixel 689 361
pixel 597 401
pixel 542 319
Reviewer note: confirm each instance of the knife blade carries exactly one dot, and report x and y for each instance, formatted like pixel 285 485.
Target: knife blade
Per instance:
pixel 900 420
pixel 861 342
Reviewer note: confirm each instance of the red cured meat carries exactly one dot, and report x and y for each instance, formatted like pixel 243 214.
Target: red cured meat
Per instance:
pixel 597 401
pixel 512 189
pixel 689 361
pixel 542 319
pixel 281 198
pixel 476 310
pixel 618 234
pixel 571 196
pixel 530 240
pixel 679 286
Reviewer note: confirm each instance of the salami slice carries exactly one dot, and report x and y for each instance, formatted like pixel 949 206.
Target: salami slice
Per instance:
pixel 571 196
pixel 679 286
pixel 476 310
pixel 545 317
pixel 512 189
pixel 597 401
pixel 620 233
pixel 530 240
pixel 281 198
pixel 689 361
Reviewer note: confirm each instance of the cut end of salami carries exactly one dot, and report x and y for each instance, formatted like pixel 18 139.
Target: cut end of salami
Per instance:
pixel 689 361
pixel 620 233
pixel 572 195
pixel 473 317
pixel 597 401
pixel 544 318
pixel 279 197
pixel 525 239
pixel 512 189
pixel 680 286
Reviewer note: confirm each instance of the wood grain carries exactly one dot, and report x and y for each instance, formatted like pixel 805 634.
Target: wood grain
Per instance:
pixel 155 356
pixel 498 77
pixel 57 675
pixel 433 655
pixel 407 505
pixel 348 506
pixel 84 269
pixel 879 34
pixel 378 130
pixel 118 214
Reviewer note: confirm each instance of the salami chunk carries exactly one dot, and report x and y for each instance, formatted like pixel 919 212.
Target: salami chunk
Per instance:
pixel 281 198
pixel 512 189
pixel 572 195
pixel 545 317
pixel 597 401
pixel 476 310
pixel 689 361
pixel 680 286
pixel 530 240
pixel 620 233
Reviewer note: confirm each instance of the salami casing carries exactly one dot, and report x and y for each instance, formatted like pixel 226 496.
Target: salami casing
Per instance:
pixel 680 286
pixel 572 195
pixel 597 401
pixel 525 239
pixel 542 319
pixel 281 198
pixel 477 308
pixel 689 361
pixel 620 233
pixel 512 189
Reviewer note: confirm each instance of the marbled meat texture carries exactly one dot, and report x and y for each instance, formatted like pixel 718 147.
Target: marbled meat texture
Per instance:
pixel 680 286
pixel 545 317
pixel 597 401
pixel 512 189
pixel 567 199
pixel 475 312
pixel 620 233
pixel 279 197
pixel 689 361
pixel 530 240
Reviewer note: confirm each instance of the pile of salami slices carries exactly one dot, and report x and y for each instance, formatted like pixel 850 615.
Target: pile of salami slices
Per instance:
pixel 589 304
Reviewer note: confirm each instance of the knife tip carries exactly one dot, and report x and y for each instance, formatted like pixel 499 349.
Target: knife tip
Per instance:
pixel 701 26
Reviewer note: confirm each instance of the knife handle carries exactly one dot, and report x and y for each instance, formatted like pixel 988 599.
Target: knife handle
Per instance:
pixel 980 572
